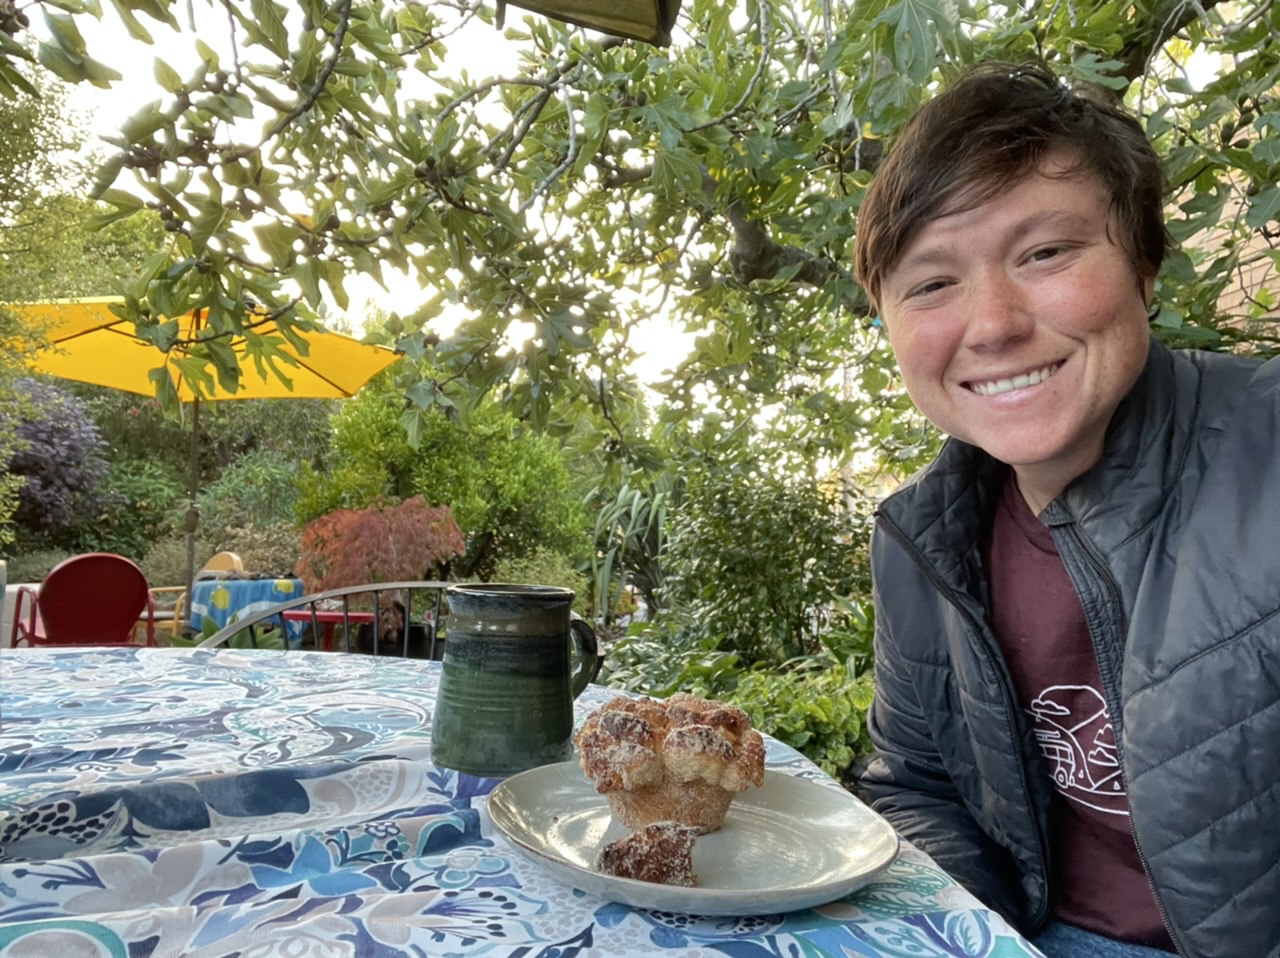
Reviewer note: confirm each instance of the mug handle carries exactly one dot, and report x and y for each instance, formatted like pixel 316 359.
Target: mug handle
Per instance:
pixel 589 657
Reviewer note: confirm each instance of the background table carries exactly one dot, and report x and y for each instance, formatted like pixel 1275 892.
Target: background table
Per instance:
pixel 224 802
pixel 226 600
pixel 327 620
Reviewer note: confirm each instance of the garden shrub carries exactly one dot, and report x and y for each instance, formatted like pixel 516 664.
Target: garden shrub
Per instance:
pixel 816 704
pixel 528 497
pixel 545 567
pixel 271 549
pixel 165 563
pixel 670 655
pixel 63 457
pixel 33 566
pixel 387 542
pixel 346 486
pixel 258 489
pixel 756 560
pixel 818 709
pixel 141 498
pixel 508 488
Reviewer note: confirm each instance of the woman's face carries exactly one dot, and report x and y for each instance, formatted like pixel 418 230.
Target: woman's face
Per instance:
pixel 1019 325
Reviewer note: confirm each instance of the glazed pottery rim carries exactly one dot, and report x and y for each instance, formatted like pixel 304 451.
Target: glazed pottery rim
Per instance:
pixel 508 589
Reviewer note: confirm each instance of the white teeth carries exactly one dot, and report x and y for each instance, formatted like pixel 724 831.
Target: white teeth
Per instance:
pixel 997 386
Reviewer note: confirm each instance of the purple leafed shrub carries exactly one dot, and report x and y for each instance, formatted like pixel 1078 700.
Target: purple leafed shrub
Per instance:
pixel 62 455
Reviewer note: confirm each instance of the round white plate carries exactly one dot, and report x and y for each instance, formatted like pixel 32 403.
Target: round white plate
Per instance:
pixel 790 844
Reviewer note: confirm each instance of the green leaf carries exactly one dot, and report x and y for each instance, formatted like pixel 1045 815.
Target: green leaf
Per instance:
pixel 421 394
pixel 277 241
pixel 106 219
pixel 913 23
pixel 308 278
pixel 226 106
pixel 12 48
pixel 75 69
pixel 144 123
pixel 1267 150
pixel 677 172
pixel 131 23
pixel 207 54
pixel 158 10
pixel 1263 208
pixel 15 83
pixel 209 219
pixel 334 275
pixel 874 381
pixel 270 21
pixel 123 199
pixel 65 33
pixel 668 117
pixel 167 77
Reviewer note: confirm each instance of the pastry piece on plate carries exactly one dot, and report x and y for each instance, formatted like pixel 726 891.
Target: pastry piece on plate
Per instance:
pixel 660 853
pixel 682 759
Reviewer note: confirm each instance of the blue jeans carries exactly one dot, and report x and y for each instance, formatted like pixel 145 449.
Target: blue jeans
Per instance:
pixel 1061 940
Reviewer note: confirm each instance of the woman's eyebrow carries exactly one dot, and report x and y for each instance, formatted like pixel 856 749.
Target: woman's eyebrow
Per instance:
pixel 1066 219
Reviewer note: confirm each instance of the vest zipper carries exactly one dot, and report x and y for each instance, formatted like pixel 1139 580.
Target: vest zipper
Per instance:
pixel 1111 688
pixel 987 644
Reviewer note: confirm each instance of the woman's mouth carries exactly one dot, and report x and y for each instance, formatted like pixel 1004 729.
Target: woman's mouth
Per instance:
pixel 994 387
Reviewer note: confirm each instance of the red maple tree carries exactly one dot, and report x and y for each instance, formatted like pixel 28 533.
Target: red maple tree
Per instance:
pixel 385 542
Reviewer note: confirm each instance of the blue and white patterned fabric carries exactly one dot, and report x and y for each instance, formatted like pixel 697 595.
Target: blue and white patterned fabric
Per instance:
pixel 242 803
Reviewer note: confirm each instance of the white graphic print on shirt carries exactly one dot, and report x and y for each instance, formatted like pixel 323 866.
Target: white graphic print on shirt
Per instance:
pixel 1076 737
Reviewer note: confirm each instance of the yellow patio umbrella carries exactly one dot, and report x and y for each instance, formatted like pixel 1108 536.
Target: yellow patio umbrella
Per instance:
pixel 87 342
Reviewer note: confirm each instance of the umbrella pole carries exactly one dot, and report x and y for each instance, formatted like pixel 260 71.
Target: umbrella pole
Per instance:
pixel 193 514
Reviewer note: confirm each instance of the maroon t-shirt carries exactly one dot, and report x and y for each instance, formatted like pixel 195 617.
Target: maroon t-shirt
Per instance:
pixel 1099 884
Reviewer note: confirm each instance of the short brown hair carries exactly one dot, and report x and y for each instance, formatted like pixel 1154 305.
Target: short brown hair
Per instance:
pixel 988 131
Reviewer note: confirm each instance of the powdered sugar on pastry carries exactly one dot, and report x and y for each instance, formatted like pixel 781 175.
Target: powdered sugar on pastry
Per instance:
pixel 661 852
pixel 682 759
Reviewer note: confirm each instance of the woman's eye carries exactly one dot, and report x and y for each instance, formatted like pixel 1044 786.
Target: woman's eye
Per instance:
pixel 1044 253
pixel 924 289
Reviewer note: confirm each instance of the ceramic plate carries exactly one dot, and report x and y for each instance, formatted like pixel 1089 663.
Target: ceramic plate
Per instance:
pixel 790 844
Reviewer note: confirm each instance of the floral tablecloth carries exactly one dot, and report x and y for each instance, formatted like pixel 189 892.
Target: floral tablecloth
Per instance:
pixel 238 803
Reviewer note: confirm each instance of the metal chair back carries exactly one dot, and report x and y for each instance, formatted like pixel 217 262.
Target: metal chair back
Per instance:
pixel 401 618
pixel 92 599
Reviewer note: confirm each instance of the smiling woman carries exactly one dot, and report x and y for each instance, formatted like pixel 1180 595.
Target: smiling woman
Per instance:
pixel 1013 263
pixel 1019 325
pixel 1059 591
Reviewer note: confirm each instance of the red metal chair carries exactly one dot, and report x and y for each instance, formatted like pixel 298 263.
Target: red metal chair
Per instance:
pixel 92 599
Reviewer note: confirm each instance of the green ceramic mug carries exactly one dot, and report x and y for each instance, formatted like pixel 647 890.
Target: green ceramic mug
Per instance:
pixel 508 680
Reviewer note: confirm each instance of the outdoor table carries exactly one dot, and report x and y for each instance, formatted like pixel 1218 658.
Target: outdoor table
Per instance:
pixel 327 619
pixel 227 600
pixel 228 802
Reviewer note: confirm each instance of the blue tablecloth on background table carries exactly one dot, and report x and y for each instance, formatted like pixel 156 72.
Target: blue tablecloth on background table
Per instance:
pixel 224 802
pixel 227 600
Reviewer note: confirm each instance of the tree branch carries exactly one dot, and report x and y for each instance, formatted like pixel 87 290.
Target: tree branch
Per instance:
pixel 1165 20
pixel 766 51
pixel 307 101
pixel 756 256
pixel 571 153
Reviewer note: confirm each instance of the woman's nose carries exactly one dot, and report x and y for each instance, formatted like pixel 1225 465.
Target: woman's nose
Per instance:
pixel 998 313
